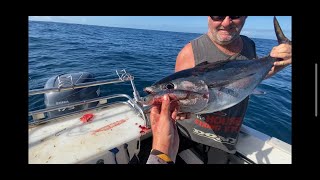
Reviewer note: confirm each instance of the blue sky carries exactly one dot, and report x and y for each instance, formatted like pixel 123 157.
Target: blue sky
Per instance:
pixel 255 27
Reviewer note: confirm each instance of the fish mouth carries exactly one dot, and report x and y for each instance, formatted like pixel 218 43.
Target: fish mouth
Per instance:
pixel 149 90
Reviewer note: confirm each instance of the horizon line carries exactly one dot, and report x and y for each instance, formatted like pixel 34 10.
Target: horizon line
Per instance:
pixel 141 28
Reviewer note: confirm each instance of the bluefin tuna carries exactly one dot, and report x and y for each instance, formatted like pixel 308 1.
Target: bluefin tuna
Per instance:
pixel 211 87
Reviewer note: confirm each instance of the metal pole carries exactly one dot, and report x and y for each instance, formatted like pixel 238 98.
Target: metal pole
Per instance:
pixel 75 86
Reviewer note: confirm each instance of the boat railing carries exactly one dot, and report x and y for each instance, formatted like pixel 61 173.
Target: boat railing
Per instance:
pixel 38 116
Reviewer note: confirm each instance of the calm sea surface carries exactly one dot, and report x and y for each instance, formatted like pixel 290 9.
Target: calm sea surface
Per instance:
pixel 58 48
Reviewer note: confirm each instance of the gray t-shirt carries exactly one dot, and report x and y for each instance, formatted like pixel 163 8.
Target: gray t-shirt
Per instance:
pixel 218 129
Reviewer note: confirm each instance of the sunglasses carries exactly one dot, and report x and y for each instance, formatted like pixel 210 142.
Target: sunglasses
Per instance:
pixel 221 18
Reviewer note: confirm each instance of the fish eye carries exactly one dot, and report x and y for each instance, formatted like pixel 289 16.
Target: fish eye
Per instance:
pixel 169 86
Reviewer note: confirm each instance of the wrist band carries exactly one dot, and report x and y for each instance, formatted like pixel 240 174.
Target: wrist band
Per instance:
pixel 162 156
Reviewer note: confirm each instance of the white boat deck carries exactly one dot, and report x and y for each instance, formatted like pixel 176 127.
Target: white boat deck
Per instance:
pixel 263 149
pixel 70 141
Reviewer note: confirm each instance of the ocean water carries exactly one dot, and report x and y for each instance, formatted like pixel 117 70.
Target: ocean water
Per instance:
pixel 148 55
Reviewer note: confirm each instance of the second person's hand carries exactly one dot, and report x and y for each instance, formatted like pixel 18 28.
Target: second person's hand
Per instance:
pixel 164 129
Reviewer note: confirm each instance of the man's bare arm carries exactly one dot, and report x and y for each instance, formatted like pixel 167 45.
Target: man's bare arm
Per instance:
pixel 185 59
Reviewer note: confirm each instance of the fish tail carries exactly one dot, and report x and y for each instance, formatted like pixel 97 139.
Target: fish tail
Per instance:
pixel 282 39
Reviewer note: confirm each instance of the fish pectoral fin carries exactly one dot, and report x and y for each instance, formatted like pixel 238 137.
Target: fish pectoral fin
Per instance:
pixel 221 83
pixel 229 91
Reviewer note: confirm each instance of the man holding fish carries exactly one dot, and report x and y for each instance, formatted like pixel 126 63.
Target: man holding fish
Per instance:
pixel 214 76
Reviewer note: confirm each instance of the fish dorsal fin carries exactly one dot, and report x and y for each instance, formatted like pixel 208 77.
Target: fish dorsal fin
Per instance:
pixel 213 64
pixel 202 64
